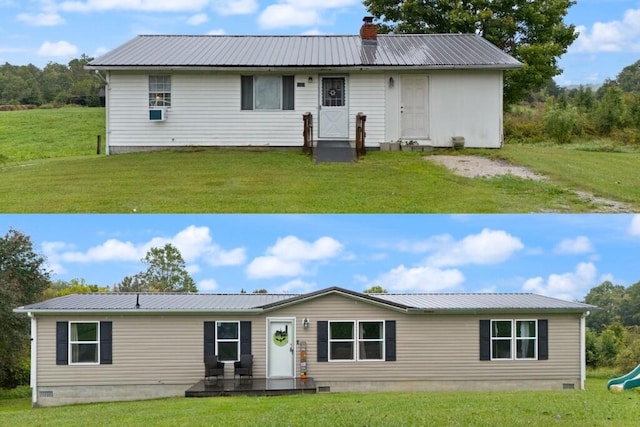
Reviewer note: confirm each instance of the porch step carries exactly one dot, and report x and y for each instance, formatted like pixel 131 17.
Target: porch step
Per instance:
pixel 335 151
pixel 251 387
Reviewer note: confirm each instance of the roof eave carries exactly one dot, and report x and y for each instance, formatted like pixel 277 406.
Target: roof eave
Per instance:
pixel 489 311
pixel 317 67
pixel 135 311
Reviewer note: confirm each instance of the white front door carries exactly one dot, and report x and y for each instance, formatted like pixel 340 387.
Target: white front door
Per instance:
pixel 333 120
pixel 280 348
pixel 414 109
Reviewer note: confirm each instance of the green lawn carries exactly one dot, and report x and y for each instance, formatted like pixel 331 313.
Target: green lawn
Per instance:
pixel 595 406
pixel 48 164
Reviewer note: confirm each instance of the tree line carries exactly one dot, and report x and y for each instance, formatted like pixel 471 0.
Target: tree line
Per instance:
pixel 55 84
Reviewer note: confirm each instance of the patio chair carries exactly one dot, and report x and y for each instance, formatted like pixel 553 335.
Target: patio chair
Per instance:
pixel 244 367
pixel 213 367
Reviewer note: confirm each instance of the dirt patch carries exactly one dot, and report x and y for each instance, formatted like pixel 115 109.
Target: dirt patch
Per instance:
pixel 473 167
pixel 479 167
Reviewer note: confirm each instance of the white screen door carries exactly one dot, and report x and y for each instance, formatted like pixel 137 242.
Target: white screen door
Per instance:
pixel 415 108
pixel 333 118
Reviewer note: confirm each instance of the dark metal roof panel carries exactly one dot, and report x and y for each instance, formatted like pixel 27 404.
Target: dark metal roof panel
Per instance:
pixel 411 50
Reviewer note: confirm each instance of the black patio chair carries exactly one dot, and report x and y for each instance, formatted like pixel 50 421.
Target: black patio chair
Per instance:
pixel 244 367
pixel 213 367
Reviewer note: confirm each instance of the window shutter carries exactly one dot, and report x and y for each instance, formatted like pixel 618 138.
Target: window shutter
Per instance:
pixel 245 337
pixel 246 93
pixel 323 341
pixel 543 339
pixel 106 346
pixel 288 91
pixel 485 339
pixel 209 339
pixel 390 340
pixel 62 343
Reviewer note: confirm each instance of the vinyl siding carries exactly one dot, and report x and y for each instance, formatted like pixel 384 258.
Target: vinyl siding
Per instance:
pixel 367 97
pixel 169 349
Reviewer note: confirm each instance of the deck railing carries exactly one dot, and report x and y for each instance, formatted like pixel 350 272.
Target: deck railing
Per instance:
pixel 361 134
pixel 307 133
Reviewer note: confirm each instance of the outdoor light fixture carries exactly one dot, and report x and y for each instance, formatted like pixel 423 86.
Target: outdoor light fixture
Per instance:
pixel 310 79
pixel 391 82
pixel 305 323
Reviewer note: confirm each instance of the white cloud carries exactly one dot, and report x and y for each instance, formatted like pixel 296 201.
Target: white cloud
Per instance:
pixel 142 5
pixel 613 36
pixel 634 226
pixel 288 13
pixel 197 19
pixel 567 286
pixel 419 279
pixel 57 49
pixel 579 245
pixel 207 285
pixel 235 7
pixel 487 247
pixel 216 32
pixel 294 287
pixel 45 19
pixel 291 256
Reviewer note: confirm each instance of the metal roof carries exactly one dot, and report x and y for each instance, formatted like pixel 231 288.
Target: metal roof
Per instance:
pixel 256 303
pixel 395 50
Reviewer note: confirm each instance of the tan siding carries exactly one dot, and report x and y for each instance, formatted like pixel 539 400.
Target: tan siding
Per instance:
pixel 169 349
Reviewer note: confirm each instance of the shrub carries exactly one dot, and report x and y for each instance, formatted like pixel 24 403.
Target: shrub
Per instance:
pixel 523 125
pixel 561 123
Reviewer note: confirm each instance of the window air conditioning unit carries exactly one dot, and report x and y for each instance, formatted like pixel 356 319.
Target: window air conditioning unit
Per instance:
pixel 157 115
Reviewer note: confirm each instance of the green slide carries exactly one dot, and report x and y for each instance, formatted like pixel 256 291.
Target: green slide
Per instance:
pixel 626 382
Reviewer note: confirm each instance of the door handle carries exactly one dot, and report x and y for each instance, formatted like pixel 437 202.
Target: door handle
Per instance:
pixel 291 348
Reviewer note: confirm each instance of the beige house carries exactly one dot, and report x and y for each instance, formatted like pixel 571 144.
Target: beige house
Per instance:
pixel 165 91
pixel 120 346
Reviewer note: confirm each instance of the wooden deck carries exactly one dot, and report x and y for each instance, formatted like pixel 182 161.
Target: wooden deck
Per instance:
pixel 251 387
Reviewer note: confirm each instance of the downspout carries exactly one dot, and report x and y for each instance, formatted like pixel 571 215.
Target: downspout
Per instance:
pixel 583 349
pixel 33 375
pixel 107 92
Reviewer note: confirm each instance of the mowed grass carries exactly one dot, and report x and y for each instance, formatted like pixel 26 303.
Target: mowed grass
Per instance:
pixel 595 406
pixel 49 133
pixel 48 164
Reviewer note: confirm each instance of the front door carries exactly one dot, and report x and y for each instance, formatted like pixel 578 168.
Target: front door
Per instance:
pixel 333 120
pixel 280 348
pixel 414 109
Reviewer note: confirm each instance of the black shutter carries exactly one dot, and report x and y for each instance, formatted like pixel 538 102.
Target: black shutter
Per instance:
pixel 209 339
pixel 246 92
pixel 543 339
pixel 288 90
pixel 323 341
pixel 245 337
pixel 390 340
pixel 62 343
pixel 106 346
pixel 485 339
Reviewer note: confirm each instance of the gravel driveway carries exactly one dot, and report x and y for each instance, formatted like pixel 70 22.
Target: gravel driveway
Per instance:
pixel 477 167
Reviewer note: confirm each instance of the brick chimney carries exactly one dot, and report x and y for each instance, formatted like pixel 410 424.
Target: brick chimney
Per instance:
pixel 368 31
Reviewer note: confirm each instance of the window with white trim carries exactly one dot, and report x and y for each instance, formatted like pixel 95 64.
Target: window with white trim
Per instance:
pixel 371 340
pixel 228 341
pixel 160 91
pixel 351 340
pixel 84 342
pixel 514 339
pixel 267 92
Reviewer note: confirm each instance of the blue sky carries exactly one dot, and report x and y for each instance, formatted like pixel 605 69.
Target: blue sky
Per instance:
pixel 558 255
pixel 42 31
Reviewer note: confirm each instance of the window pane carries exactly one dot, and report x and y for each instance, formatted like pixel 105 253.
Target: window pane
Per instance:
pixel 501 328
pixel 341 330
pixel 227 331
pixel 84 353
pixel 370 350
pixel 246 95
pixel 342 351
pixel 267 92
pixel 84 332
pixel 333 90
pixel 159 91
pixel 370 330
pixel 228 351
pixel 526 328
pixel 526 349
pixel 501 349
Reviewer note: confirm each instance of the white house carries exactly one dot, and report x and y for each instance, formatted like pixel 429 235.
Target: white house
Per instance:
pixel 175 90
